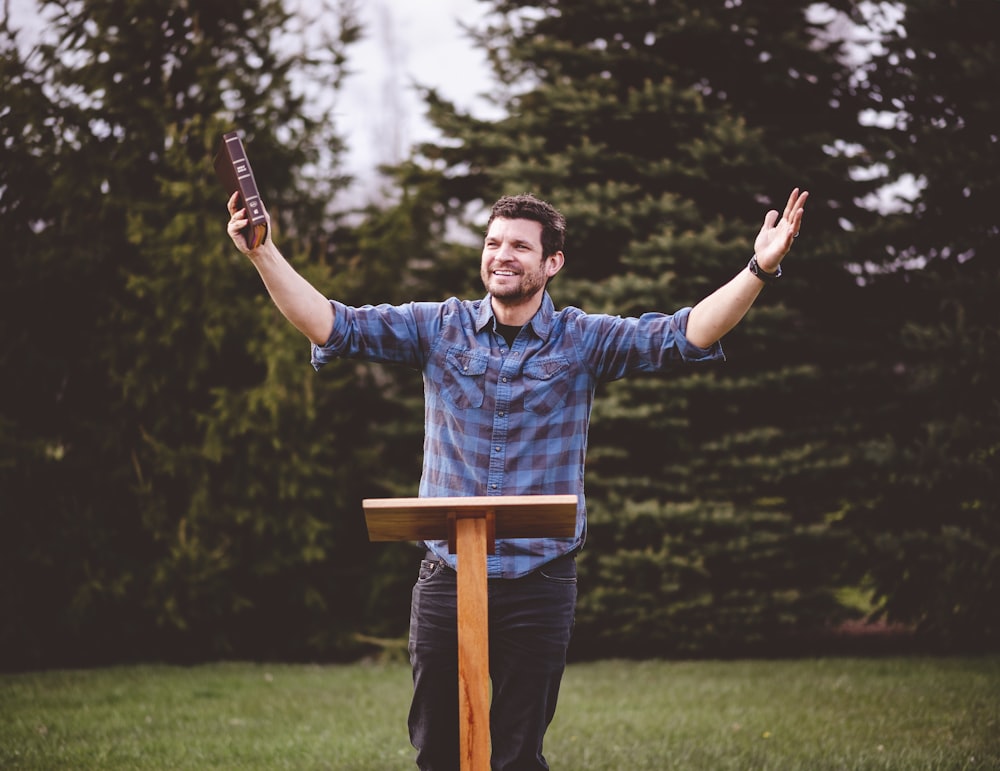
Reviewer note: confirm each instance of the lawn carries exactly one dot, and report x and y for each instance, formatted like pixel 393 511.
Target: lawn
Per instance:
pixel 833 713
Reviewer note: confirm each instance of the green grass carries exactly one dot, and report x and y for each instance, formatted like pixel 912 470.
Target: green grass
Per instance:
pixel 892 713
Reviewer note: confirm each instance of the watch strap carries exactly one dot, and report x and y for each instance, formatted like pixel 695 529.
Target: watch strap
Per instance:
pixel 759 272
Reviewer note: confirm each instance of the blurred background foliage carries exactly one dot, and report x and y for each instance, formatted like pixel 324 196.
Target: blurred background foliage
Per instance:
pixel 177 483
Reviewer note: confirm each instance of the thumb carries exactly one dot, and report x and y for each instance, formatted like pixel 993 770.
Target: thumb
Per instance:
pixel 769 219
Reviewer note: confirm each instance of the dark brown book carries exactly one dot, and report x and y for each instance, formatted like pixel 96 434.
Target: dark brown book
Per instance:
pixel 233 169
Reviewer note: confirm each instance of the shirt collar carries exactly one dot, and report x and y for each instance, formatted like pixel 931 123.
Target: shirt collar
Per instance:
pixel 541 322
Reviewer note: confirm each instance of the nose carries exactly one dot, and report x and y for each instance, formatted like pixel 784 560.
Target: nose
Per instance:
pixel 505 252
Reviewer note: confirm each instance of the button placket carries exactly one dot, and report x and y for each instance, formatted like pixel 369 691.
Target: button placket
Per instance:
pixel 501 418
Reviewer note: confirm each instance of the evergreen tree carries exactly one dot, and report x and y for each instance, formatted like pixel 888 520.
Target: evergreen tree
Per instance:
pixel 932 542
pixel 184 485
pixel 664 131
pixel 44 483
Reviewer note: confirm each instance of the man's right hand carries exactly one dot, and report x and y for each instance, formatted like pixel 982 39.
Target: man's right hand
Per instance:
pixel 238 221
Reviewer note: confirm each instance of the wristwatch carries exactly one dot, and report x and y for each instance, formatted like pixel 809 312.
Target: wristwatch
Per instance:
pixel 759 272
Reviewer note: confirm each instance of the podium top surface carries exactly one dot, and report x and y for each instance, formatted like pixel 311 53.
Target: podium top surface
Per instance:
pixel 427 519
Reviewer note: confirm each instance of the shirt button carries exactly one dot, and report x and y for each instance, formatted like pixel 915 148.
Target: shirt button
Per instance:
pixel 504 379
pixel 494 485
pixel 497 448
pixel 500 413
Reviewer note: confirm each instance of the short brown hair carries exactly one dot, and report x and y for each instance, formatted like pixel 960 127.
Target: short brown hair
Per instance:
pixel 527 207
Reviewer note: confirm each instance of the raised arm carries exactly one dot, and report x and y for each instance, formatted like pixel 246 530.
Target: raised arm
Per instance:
pixel 722 310
pixel 300 302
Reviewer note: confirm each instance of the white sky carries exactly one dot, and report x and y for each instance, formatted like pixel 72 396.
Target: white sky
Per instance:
pixel 407 44
pixel 404 42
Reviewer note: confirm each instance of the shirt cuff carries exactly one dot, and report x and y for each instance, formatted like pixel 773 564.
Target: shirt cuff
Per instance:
pixel 323 354
pixel 689 351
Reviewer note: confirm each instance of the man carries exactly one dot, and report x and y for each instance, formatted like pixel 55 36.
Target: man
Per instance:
pixel 509 382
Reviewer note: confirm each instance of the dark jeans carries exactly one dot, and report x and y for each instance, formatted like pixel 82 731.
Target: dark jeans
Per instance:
pixel 530 620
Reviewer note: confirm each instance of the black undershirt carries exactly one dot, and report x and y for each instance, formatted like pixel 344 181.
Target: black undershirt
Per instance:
pixel 508 332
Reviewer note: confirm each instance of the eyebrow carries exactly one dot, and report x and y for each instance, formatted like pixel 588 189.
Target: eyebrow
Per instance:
pixel 514 241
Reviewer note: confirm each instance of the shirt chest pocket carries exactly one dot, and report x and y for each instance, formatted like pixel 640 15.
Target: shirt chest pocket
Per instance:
pixel 546 383
pixel 464 377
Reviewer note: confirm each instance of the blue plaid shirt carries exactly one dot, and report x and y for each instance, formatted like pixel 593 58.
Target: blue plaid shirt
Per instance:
pixel 514 421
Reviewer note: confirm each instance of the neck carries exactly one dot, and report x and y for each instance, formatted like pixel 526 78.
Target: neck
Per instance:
pixel 516 314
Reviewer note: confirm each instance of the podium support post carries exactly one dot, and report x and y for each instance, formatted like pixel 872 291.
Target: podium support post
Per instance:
pixel 473 645
pixel 471 527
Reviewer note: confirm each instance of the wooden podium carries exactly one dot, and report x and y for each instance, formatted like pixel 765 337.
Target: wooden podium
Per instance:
pixel 471 527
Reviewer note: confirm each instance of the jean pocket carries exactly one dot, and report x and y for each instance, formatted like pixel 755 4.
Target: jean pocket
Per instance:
pixel 428 569
pixel 559 571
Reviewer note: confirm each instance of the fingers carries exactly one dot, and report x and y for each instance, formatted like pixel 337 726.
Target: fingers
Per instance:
pixel 792 213
pixel 237 221
pixel 237 217
pixel 794 209
pixel 796 202
pixel 790 204
pixel 798 214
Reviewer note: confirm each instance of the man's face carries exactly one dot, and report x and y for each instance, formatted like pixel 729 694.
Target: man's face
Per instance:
pixel 513 269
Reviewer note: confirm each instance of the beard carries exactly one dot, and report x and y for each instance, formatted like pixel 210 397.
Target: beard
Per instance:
pixel 514 289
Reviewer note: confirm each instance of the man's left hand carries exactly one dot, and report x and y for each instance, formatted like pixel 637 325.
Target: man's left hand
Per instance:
pixel 776 235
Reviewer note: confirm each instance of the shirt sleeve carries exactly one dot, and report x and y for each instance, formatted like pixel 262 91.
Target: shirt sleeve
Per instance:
pixel 653 342
pixel 689 351
pixel 389 334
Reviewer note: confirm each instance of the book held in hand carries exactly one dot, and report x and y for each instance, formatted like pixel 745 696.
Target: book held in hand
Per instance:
pixel 233 169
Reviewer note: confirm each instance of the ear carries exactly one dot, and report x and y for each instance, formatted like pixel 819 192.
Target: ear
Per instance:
pixel 554 263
